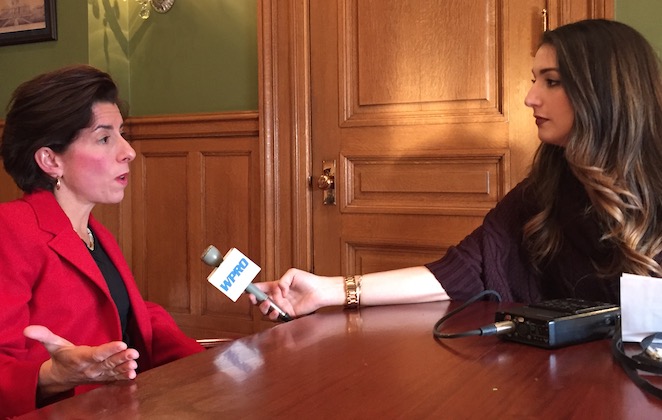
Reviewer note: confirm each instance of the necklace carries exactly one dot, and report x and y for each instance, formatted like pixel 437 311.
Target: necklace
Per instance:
pixel 90 245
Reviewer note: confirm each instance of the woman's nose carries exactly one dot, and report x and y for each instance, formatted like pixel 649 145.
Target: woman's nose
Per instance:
pixel 532 99
pixel 129 153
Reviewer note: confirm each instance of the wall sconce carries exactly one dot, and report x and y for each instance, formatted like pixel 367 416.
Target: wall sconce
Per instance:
pixel 161 6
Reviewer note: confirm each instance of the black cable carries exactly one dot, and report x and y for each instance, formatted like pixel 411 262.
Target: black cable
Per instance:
pixel 491 329
pixel 640 362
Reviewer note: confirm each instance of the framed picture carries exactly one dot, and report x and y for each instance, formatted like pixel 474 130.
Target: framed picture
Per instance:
pixel 23 21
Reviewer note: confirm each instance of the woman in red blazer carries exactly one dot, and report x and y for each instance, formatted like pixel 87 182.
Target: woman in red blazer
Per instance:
pixel 71 314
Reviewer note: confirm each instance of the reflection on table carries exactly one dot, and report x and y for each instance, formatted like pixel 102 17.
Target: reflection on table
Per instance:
pixel 381 362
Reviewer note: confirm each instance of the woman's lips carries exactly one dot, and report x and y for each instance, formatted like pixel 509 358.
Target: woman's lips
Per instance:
pixel 123 179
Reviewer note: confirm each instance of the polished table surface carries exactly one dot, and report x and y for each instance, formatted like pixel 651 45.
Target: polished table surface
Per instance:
pixel 381 362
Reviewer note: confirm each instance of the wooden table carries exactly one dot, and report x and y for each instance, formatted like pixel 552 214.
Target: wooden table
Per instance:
pixel 380 362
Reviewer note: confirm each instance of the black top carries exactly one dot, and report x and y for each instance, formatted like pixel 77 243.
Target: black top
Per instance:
pixel 494 257
pixel 116 286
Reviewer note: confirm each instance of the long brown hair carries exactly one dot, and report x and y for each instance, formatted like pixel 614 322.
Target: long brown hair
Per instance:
pixel 612 77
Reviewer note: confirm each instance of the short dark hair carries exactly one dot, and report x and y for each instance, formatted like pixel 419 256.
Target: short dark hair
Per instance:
pixel 49 111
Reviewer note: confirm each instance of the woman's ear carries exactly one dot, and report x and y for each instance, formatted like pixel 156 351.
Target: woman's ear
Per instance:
pixel 48 161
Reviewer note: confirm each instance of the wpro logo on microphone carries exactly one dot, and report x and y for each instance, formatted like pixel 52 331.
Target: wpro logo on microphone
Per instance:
pixel 234 274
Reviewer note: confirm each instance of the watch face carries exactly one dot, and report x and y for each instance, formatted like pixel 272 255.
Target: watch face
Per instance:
pixel 162 6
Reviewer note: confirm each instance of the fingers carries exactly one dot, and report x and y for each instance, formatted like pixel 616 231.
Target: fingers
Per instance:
pixel 105 351
pixel 126 371
pixel 271 289
pixel 118 367
pixel 252 298
pixel 112 361
pixel 280 293
pixel 267 310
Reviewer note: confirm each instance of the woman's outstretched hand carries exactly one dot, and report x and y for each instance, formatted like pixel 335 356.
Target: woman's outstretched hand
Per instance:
pixel 72 365
pixel 299 293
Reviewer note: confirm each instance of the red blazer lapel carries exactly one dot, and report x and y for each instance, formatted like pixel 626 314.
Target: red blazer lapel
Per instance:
pixel 65 242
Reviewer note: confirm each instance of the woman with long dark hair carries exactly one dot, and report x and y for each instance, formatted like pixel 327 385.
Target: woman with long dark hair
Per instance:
pixel 590 209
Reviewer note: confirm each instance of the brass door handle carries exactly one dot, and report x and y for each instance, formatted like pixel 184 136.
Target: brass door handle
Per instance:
pixel 327 182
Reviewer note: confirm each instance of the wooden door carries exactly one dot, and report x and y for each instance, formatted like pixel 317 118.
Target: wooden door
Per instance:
pixel 420 105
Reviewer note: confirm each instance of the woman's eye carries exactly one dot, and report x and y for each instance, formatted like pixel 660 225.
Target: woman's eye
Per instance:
pixel 103 140
pixel 553 82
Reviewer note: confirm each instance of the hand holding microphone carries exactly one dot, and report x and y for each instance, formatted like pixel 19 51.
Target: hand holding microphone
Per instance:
pixel 233 274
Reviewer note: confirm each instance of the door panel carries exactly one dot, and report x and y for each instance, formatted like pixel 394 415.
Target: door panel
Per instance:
pixel 406 62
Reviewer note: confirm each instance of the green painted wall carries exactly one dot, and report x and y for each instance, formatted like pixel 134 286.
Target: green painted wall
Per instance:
pixel 199 57
pixel 21 62
pixel 643 15
pixel 108 40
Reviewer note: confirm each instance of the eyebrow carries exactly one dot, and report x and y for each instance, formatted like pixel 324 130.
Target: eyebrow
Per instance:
pixel 105 127
pixel 547 70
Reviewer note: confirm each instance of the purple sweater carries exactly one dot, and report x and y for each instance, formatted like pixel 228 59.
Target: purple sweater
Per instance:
pixel 493 256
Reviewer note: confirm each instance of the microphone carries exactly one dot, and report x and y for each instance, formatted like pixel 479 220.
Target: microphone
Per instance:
pixel 232 275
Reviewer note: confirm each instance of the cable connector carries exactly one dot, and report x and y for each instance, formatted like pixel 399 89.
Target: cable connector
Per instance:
pixel 498 328
pixel 438 334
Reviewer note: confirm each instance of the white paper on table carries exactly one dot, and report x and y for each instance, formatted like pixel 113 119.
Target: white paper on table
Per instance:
pixel 641 306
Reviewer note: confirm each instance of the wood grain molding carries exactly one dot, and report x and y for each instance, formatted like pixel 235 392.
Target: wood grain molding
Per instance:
pixel 226 124
pixel 284 86
pixel 461 182
pixel 573 10
pixel 368 255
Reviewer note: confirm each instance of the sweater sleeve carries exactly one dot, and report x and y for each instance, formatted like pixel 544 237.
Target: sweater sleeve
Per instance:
pixel 491 257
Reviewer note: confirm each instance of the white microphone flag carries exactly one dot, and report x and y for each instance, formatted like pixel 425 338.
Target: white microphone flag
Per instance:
pixel 234 274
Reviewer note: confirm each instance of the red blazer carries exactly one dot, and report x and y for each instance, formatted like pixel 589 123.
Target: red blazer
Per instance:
pixel 48 277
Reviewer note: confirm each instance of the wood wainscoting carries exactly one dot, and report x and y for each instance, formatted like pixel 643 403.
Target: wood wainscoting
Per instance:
pixel 8 188
pixel 195 182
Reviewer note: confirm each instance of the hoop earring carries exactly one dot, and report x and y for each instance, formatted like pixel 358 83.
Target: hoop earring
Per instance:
pixel 58 184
